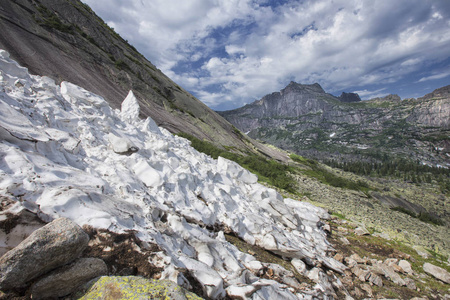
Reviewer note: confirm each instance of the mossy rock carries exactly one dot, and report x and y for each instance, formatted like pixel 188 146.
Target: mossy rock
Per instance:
pixel 133 287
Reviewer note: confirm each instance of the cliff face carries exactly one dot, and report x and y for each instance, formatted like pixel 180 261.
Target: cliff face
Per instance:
pixel 67 41
pixel 304 118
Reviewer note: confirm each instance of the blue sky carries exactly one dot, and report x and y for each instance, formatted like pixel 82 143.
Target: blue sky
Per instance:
pixel 231 52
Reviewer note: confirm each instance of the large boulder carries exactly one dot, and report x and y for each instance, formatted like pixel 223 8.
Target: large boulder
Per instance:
pixel 56 244
pixel 437 272
pixel 67 279
pixel 117 287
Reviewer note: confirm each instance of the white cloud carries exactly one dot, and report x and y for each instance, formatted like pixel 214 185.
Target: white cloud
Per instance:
pixel 365 94
pixel 247 50
pixel 434 77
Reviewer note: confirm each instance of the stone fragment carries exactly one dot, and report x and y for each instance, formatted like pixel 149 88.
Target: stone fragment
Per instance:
pixel 410 284
pixel 406 266
pixel 339 257
pixel 358 259
pixel 350 262
pixel 360 273
pixel 437 272
pixel 65 280
pixel 390 261
pixel 390 273
pixel 374 279
pixel 56 244
pixel 299 265
pixel 366 288
pixel 116 287
pixel 345 241
pixel 327 228
pixel 361 231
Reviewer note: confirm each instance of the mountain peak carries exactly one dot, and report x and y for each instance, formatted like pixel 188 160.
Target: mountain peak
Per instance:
pixel 294 86
pixel 349 97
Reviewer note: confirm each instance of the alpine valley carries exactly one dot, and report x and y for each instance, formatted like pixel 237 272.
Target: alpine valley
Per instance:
pixel 308 121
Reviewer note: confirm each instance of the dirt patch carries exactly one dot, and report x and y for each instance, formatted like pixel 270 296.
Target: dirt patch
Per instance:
pixel 9 223
pixel 6 203
pixel 123 253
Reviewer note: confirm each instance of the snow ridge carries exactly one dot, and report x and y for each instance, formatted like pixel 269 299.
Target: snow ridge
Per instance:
pixel 65 153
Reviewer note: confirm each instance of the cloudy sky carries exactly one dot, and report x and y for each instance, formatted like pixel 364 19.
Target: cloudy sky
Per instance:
pixel 232 52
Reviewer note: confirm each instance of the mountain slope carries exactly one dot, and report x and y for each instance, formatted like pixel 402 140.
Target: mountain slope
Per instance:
pixel 305 119
pixel 65 40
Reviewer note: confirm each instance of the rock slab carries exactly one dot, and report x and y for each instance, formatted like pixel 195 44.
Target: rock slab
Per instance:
pixel 56 244
pixel 67 279
pixel 437 272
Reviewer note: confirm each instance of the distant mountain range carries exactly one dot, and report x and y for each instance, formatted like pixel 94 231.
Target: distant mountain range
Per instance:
pixel 308 121
pixel 67 41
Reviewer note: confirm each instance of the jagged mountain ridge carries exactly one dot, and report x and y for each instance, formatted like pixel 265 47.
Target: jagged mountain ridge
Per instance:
pixel 304 118
pixel 67 41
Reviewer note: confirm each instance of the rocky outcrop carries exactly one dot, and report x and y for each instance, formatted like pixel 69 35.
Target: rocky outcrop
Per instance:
pixel 56 244
pixel 349 97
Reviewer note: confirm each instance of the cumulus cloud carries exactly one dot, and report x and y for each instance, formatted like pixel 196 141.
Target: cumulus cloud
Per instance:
pixel 235 51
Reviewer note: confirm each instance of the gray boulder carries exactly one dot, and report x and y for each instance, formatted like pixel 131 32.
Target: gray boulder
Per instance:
pixel 437 272
pixel 67 279
pixel 56 244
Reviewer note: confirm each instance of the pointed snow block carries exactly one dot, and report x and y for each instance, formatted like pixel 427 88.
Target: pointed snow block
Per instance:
pixel 150 125
pixel 130 109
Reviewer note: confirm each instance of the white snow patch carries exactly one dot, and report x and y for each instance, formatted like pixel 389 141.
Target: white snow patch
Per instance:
pixel 56 160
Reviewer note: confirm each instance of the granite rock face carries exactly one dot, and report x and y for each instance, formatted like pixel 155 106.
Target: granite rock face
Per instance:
pixel 56 244
pixel 67 41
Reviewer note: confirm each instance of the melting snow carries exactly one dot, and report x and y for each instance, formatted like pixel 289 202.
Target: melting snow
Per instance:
pixel 65 153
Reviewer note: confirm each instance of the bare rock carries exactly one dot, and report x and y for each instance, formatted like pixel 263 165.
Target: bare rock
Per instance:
pixel 374 279
pixel 437 272
pixel 345 241
pixel 360 273
pixel 410 284
pixel 299 265
pixel 361 231
pixel 339 257
pixel 350 262
pixel 67 279
pixel 56 244
pixel 358 258
pixel 366 288
pixel 389 272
